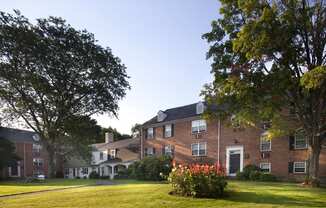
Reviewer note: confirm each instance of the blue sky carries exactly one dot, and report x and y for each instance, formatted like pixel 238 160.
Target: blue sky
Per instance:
pixel 158 40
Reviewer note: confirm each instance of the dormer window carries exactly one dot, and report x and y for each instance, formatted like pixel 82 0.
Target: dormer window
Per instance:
pixel 161 116
pixel 200 107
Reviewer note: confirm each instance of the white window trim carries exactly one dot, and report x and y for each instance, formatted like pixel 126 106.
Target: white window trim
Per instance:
pixel 150 136
pixel 261 144
pixel 169 148
pixel 269 166
pixel 198 129
pixel 152 151
pixel 165 136
pixel 199 143
pixel 295 141
pixel 305 167
pixel 112 153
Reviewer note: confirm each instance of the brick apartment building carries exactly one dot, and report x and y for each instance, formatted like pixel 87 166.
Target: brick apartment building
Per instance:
pixel 34 160
pixel 182 133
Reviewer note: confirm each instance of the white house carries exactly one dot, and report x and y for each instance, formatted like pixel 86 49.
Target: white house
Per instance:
pixel 107 158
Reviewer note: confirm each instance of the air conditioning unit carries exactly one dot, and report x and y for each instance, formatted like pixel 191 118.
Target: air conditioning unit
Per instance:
pixel 198 136
pixel 265 155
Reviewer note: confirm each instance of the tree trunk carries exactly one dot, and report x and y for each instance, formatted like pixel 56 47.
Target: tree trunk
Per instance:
pixel 313 164
pixel 52 162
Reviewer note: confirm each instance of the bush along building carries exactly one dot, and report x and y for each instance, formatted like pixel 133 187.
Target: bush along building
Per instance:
pixel 182 133
pixel 108 159
pixel 33 157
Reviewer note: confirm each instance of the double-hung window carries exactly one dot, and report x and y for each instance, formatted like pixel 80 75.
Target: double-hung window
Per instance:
pixel 150 133
pixel 265 167
pixel 300 140
pixel 198 126
pixel 37 148
pixel 101 155
pixel 265 143
pixel 199 149
pixel 150 151
pixel 85 171
pixel 299 167
pixel 112 153
pixel 168 130
pixel 38 162
pixel 168 150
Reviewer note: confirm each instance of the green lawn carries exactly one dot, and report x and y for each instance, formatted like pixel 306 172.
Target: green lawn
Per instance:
pixel 136 194
pixel 14 187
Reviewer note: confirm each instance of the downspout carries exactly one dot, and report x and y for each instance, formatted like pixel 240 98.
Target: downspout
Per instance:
pixel 141 143
pixel 25 160
pixel 218 140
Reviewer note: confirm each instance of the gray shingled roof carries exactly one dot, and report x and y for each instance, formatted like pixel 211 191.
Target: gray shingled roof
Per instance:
pixel 17 135
pixel 176 113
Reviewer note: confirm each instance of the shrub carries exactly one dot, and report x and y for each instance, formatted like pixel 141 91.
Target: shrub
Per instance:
pixel 267 177
pixel 151 168
pixel 94 175
pixel 198 181
pixel 245 174
pixel 252 172
pixel 255 175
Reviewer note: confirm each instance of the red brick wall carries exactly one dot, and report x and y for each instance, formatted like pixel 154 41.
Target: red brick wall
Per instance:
pixel 249 138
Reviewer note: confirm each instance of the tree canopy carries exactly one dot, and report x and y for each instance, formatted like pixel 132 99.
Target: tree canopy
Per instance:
pixel 52 74
pixel 269 57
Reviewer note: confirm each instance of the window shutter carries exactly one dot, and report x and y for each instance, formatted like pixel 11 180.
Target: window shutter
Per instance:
pixel 172 130
pixel 290 167
pixel 145 152
pixel 153 151
pixel 291 142
pixel 164 136
pixel 146 134
pixel 163 150
pixel 154 132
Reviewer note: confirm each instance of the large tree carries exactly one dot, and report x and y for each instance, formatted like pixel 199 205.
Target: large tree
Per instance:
pixel 269 56
pixel 52 74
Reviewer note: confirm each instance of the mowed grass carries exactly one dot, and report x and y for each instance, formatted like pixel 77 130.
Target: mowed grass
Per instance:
pixel 136 194
pixel 15 187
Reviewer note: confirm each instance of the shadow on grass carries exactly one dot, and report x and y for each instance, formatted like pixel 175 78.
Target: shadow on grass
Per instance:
pixel 265 198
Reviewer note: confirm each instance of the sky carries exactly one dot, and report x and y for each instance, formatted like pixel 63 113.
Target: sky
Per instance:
pixel 159 41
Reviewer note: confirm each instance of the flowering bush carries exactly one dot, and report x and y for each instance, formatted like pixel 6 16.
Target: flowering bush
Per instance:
pixel 198 180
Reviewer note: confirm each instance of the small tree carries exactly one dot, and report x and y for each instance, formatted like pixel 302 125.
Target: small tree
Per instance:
pixel 269 56
pixel 52 74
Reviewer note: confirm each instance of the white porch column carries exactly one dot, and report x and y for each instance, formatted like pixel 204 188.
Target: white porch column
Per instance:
pixel 113 172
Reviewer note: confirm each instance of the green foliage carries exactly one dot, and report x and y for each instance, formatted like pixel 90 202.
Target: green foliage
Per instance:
pixel 94 175
pixel 253 173
pixel 51 74
pixel 269 56
pixel 116 135
pixel 247 170
pixel 197 182
pixel 151 168
pixel 7 153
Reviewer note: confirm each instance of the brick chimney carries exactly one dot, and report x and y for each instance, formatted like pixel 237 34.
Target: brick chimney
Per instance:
pixel 108 137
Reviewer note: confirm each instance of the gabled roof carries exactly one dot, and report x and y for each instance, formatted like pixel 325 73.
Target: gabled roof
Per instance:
pixel 117 144
pixel 176 113
pixel 17 135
